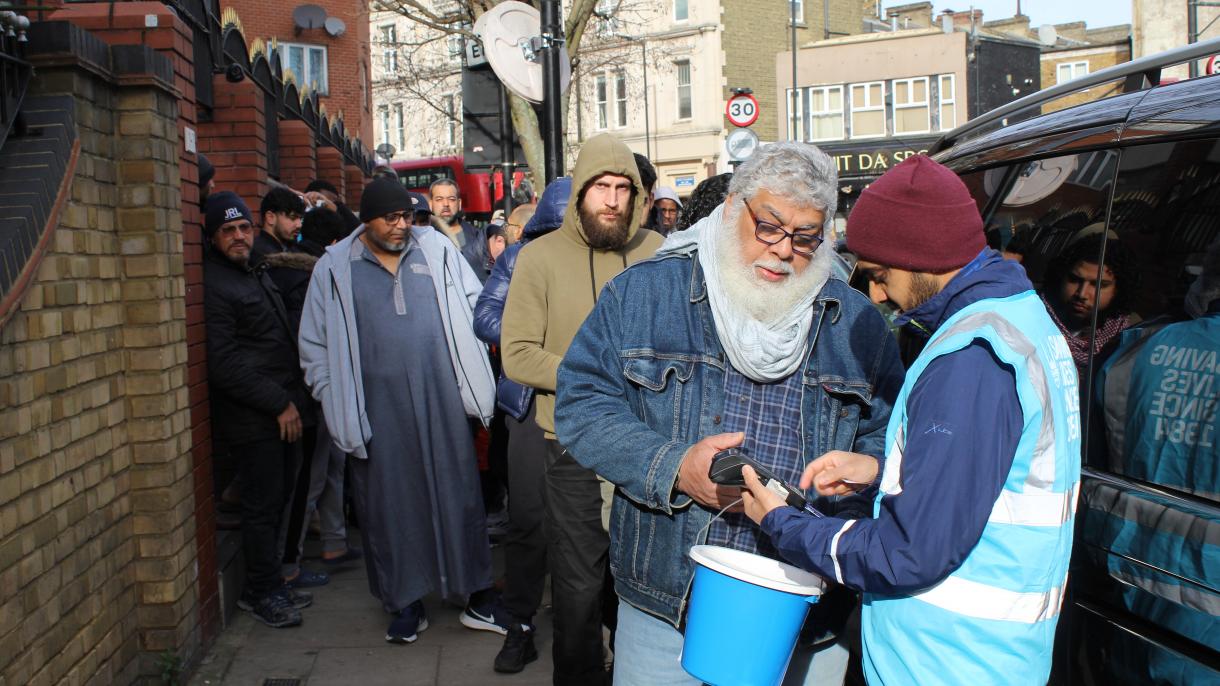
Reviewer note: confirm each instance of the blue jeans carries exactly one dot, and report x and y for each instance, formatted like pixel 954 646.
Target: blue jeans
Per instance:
pixel 648 652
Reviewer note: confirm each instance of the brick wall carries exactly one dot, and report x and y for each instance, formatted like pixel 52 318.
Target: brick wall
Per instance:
pixel 347 55
pixel 235 141
pixel 298 154
pixel 1098 58
pixel 98 560
pixel 754 33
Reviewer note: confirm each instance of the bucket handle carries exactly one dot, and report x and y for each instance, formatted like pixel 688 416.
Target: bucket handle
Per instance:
pixel 703 532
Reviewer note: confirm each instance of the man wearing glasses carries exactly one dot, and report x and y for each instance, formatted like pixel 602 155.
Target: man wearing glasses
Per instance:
pixel 388 348
pixel 736 335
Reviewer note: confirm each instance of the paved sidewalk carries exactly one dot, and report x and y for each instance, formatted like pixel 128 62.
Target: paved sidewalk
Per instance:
pixel 342 641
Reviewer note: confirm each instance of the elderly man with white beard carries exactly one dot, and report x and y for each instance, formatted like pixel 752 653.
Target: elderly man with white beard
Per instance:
pixel 735 335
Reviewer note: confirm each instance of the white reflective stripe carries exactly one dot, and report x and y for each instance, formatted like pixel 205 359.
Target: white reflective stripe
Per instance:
pixel 834 549
pixel 1035 508
pixel 973 599
pixel 891 475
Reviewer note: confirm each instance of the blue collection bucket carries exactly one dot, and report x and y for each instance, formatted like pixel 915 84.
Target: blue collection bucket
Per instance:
pixel 745 615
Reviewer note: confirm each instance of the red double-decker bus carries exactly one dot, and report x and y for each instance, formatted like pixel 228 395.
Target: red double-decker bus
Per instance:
pixel 481 192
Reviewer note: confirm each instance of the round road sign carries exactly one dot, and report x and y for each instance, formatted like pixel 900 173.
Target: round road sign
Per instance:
pixel 741 109
pixel 740 144
pixel 1211 65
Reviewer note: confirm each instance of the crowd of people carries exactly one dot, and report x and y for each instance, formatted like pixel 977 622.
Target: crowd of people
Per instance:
pixel 595 349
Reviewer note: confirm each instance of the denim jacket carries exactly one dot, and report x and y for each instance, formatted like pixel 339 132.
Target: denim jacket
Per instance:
pixel 644 381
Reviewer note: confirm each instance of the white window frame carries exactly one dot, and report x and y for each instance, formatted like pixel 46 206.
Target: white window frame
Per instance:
pixel 685 16
pixel 601 100
pixel 383 116
pixel 811 114
pixel 620 99
pixel 926 104
pixel 400 133
pixel 868 107
pixel 689 86
pixel 951 101
pixel 794 118
pixel 800 12
pixel 456 46
pixel 450 101
pixel 307 79
pixel 389 48
pixel 1075 70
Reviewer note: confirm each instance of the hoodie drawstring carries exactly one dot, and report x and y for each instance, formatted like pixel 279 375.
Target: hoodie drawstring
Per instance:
pixel 593 279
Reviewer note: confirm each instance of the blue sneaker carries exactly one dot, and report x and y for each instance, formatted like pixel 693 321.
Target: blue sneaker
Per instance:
pixel 406 626
pixel 486 616
pixel 308 579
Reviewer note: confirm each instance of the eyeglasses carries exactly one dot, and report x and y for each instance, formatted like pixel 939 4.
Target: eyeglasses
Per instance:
pixel 802 243
pixel 394 217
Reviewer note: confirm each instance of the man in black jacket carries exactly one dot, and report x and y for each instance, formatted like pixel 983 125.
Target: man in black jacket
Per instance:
pixel 256 390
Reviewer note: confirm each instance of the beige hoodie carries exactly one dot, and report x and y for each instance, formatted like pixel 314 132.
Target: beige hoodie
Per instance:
pixel 553 289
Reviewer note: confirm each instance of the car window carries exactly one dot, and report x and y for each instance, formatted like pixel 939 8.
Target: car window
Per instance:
pixel 1156 394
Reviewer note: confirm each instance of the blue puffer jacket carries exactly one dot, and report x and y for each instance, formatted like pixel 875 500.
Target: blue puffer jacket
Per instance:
pixel 511 396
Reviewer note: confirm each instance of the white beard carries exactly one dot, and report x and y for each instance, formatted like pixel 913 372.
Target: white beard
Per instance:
pixel 752 296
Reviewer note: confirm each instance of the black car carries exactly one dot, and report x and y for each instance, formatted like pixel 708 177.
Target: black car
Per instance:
pixel 1113 207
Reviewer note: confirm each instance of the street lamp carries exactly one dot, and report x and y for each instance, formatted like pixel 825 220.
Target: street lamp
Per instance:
pixel 643 41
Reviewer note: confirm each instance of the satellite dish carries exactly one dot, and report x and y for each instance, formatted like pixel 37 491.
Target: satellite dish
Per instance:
pixel 385 150
pixel 510 36
pixel 335 26
pixel 1047 35
pixel 308 17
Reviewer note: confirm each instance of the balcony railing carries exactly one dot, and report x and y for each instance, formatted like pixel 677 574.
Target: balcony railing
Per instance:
pixel 15 71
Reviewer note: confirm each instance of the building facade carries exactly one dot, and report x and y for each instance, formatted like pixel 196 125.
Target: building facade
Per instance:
pixel 655 74
pixel 1159 25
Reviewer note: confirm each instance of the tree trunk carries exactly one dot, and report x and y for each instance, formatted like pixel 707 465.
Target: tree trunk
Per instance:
pixel 529 134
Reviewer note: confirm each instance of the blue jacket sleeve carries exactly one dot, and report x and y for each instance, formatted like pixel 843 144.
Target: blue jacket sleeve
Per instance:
pixel 489 310
pixel 964 421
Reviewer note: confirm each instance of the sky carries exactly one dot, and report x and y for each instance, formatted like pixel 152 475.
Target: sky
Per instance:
pixel 1095 12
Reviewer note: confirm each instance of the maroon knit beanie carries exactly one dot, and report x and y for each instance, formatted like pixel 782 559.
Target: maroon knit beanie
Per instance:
pixel 918 216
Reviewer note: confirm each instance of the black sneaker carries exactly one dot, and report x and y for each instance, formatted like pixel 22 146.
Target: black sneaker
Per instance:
pixel 518 650
pixel 273 609
pixel 406 626
pixel 298 599
pixel 485 616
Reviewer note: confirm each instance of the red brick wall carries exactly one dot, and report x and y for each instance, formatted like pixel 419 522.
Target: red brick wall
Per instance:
pixel 330 168
pixel 355 186
pixel 347 55
pixel 298 154
pixel 235 141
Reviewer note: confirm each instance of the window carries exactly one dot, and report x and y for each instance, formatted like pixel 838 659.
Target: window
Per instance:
pixel 602 114
pixel 451 119
pixel 825 113
pixel 620 99
pixel 684 96
pixel 383 114
pixel 1070 70
pixel 948 101
pixel 389 48
pixel 911 113
pixel 793 103
pixel 681 11
pixel 399 132
pixel 868 110
pixel 456 47
pixel 307 63
pixel 796 8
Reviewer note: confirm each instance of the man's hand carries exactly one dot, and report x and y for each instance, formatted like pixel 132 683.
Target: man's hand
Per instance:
pixel 839 473
pixel 692 473
pixel 314 197
pixel 290 424
pixel 758 499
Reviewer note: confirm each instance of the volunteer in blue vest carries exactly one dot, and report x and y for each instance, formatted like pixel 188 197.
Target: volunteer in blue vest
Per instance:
pixel 964 561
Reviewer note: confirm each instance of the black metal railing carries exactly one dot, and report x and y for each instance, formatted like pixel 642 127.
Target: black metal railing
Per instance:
pixel 15 71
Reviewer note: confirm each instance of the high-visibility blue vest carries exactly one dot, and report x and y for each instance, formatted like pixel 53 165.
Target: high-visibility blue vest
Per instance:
pixel 992 621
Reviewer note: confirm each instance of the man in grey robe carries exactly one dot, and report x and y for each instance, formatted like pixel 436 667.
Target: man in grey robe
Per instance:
pixel 388 348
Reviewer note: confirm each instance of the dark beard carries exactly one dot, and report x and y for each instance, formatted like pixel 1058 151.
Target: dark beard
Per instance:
pixel 602 237
pixel 923 289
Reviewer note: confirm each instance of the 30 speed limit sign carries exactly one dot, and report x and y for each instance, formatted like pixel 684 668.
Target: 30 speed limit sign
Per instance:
pixel 742 109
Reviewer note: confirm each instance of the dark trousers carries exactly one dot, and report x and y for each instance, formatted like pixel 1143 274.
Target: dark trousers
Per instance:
pixel 300 497
pixel 268 470
pixel 578 557
pixel 525 543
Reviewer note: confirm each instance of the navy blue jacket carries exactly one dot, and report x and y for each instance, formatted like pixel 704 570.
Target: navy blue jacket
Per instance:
pixel 950 480
pixel 511 396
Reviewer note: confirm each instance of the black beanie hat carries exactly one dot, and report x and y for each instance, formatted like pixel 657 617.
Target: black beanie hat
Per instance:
pixel 206 171
pixel 224 207
pixel 383 196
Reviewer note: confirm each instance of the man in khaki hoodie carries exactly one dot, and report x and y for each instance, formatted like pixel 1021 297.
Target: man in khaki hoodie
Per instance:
pixel 554 287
